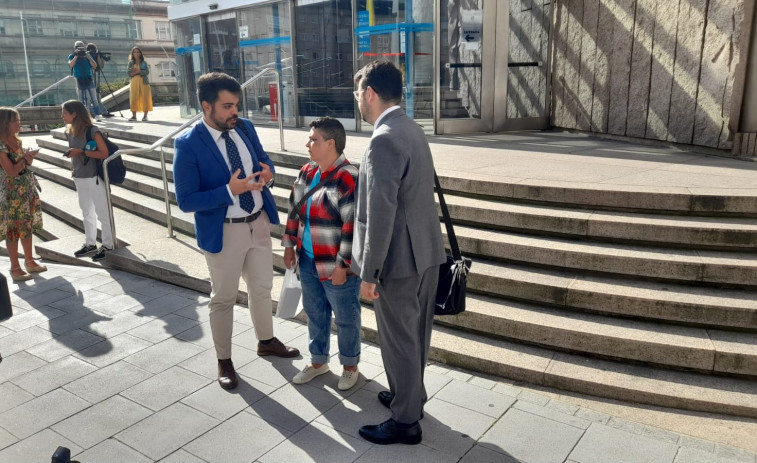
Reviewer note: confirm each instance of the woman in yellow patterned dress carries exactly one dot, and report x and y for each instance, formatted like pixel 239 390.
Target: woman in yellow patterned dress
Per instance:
pixel 20 210
pixel 140 95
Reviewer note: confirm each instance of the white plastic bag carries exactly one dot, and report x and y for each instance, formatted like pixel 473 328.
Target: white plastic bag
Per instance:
pixel 290 300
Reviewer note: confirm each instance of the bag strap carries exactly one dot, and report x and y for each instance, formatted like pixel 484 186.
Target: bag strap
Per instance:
pixel 296 210
pixel 447 221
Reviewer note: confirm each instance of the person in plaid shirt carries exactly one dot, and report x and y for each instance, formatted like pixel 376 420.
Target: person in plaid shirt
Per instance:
pixel 321 230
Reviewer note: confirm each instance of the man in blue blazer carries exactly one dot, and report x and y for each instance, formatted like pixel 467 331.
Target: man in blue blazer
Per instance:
pixel 224 176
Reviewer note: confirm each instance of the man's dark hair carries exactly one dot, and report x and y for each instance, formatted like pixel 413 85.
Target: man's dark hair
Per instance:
pixel 210 84
pixel 331 129
pixel 384 78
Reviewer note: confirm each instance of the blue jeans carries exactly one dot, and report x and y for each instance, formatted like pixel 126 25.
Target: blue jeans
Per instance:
pixel 319 299
pixel 88 96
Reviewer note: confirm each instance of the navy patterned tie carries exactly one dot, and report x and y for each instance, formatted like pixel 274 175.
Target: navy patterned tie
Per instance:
pixel 245 199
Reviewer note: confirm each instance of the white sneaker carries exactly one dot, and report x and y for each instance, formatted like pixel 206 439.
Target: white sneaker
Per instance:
pixel 98 118
pixel 309 373
pixel 348 379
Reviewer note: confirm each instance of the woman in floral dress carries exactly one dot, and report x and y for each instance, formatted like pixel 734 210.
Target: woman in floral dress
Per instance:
pixel 20 209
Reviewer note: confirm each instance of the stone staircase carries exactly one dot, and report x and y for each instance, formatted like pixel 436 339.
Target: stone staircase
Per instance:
pixel 640 296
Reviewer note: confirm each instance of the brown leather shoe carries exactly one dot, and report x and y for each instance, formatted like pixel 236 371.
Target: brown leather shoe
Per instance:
pixel 277 348
pixel 227 377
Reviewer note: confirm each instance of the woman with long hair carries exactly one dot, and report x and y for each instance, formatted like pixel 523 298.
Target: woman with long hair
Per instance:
pixel 20 209
pixel 85 146
pixel 140 94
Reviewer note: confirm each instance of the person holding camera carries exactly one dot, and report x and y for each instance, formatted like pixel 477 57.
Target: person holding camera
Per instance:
pixel 100 59
pixel 82 64
pixel 83 152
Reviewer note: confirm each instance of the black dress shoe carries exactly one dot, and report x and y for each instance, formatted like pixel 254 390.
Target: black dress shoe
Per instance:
pixel 227 376
pixel 391 432
pixel 386 397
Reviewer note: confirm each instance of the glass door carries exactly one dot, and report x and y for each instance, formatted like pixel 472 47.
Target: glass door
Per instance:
pixel 466 66
pixel 401 32
pixel 492 65
pixel 265 41
pixel 221 43
pixel 189 63
pixel 527 100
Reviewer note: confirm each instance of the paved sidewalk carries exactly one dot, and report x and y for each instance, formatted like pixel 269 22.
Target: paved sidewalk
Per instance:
pixel 121 368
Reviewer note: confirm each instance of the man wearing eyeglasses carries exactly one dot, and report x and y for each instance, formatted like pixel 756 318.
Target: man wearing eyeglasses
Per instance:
pixel 397 247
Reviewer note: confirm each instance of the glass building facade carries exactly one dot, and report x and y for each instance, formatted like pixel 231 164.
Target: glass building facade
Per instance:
pixel 36 37
pixel 318 45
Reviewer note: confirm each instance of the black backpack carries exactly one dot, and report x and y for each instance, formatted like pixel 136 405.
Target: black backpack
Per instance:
pixel 116 167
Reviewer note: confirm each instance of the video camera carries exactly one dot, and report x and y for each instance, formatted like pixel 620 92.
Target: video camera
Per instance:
pixel 92 49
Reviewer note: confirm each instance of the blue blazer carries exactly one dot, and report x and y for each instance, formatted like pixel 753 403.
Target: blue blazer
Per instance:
pixel 200 175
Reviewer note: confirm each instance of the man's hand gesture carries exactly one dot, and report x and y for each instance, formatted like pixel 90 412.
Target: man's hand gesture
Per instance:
pixel 240 185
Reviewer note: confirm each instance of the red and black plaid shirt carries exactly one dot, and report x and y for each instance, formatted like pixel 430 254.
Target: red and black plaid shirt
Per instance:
pixel 332 216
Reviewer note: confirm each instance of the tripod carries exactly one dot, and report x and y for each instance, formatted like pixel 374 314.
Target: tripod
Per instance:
pixel 99 72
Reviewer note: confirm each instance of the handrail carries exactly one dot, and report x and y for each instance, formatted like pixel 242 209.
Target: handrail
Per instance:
pixel 164 139
pixel 31 98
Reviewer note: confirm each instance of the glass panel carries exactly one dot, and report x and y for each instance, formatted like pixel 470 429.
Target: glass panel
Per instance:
pixel 220 38
pixel 324 59
pixel 50 37
pixel 265 42
pixel 402 32
pixel 460 58
pixel 527 59
pixel 189 63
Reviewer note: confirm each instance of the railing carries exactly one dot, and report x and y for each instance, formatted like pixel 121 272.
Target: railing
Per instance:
pixel 53 86
pixel 163 140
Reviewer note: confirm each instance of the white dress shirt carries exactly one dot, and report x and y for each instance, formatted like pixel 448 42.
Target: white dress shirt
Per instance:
pixel 235 210
pixel 386 111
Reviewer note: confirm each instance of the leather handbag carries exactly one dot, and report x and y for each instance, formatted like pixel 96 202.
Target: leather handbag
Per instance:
pixel 453 274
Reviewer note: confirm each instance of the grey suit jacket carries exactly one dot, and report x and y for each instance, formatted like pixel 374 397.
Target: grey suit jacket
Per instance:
pixel 397 232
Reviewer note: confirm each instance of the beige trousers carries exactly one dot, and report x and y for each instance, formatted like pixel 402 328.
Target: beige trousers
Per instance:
pixel 247 252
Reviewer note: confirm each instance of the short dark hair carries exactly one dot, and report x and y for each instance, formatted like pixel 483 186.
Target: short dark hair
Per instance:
pixel 331 129
pixel 384 78
pixel 210 84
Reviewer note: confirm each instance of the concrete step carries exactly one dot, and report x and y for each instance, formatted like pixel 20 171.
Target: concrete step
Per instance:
pixel 646 300
pixel 55 228
pixel 61 201
pixel 648 262
pixel 569 288
pixel 677 231
pixel 595 197
pixel 671 346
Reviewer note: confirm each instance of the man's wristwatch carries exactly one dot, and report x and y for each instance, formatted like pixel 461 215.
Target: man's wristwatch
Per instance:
pixel 270 183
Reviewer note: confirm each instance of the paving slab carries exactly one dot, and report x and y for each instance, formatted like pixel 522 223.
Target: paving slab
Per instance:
pixel 602 444
pixel 529 437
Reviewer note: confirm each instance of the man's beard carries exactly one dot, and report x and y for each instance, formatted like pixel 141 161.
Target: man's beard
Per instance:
pixel 223 125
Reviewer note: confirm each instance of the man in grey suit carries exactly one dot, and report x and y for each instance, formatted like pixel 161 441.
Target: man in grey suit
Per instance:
pixel 397 248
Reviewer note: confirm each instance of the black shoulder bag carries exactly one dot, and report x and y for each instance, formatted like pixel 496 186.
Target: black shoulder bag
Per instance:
pixel 453 274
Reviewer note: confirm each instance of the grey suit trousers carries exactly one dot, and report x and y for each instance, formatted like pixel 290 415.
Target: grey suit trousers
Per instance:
pixel 405 314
